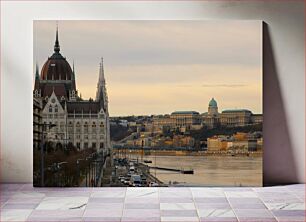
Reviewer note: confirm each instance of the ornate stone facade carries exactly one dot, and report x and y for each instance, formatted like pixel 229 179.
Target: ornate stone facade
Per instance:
pixel 79 123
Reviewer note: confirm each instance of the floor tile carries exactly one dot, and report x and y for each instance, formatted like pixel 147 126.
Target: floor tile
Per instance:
pixel 289 213
pixel 210 200
pixel 20 206
pixel 179 219
pixel 291 219
pixel 140 219
pixel 142 192
pixel 207 192
pixel 64 193
pixel 142 213
pixel 114 193
pixel 14 214
pixel 105 200
pixel 213 206
pixel 141 206
pixel 253 213
pixel 101 219
pixel 49 214
pixel 175 192
pixel 103 205
pixel 175 200
pixel 248 206
pixel 285 206
pixel 25 200
pixel 177 206
pixel 62 203
pixel 218 219
pixel 141 200
pixel 179 213
pixel 103 213
pixel 244 200
pixel 240 194
pixel 256 219
pixel 54 219
pixel 216 213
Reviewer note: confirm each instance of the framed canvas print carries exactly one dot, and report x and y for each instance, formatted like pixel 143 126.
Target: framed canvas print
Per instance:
pixel 144 103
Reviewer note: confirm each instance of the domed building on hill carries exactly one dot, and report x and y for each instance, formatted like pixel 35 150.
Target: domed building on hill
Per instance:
pixel 230 117
pixel 211 118
pixel 78 122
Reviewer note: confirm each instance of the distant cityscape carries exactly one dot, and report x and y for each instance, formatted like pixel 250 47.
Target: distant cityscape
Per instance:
pixel 209 131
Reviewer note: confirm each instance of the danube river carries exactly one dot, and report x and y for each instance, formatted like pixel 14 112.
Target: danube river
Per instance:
pixel 209 170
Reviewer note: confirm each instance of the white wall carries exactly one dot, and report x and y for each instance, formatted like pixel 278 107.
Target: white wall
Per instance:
pixel 284 80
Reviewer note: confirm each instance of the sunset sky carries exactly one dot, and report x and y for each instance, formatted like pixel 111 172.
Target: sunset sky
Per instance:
pixel 157 67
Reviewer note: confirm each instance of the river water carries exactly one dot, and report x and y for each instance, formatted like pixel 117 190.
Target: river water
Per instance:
pixel 209 170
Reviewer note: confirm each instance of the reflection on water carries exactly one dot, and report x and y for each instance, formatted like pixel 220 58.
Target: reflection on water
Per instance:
pixel 210 170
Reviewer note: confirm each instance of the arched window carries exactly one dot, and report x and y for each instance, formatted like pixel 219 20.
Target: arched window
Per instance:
pixel 94 128
pixel 78 127
pixel 70 127
pixel 85 127
pixel 50 109
pixel 56 109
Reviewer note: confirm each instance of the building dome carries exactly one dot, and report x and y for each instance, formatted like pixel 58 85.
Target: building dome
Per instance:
pixel 213 103
pixel 56 67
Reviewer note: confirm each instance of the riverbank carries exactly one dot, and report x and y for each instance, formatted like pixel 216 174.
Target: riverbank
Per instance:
pixel 128 152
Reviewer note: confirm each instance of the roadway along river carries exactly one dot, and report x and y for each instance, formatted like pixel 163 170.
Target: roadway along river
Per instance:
pixel 210 170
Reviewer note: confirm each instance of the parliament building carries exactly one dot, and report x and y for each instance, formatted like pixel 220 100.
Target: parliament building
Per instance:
pixel 77 122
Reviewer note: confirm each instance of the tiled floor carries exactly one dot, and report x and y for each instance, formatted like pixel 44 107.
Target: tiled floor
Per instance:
pixel 22 202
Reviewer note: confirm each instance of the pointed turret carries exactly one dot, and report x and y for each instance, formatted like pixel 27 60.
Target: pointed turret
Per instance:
pixel 37 72
pixel 73 77
pixel 37 78
pixel 73 73
pixel 56 45
pixel 101 95
pixel 101 71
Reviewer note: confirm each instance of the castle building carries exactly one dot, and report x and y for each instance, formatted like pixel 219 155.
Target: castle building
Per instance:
pixel 211 118
pixel 185 118
pixel 230 117
pixel 177 119
pixel 78 122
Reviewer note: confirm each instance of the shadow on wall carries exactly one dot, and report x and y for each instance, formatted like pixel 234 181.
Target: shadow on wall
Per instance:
pixel 278 162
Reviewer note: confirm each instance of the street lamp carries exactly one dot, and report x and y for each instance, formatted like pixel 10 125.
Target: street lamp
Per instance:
pixel 44 127
pixel 59 167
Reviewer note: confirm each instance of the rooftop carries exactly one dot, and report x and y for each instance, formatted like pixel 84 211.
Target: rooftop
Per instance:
pixel 235 110
pixel 184 112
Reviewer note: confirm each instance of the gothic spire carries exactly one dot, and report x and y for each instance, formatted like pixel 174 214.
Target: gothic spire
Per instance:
pixel 37 78
pixel 101 71
pixel 37 72
pixel 73 73
pixel 56 45
pixel 101 94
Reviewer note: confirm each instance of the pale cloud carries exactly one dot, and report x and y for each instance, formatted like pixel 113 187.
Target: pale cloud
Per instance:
pixel 161 66
pixel 224 85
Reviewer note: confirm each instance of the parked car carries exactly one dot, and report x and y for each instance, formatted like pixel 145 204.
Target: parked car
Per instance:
pixel 153 184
